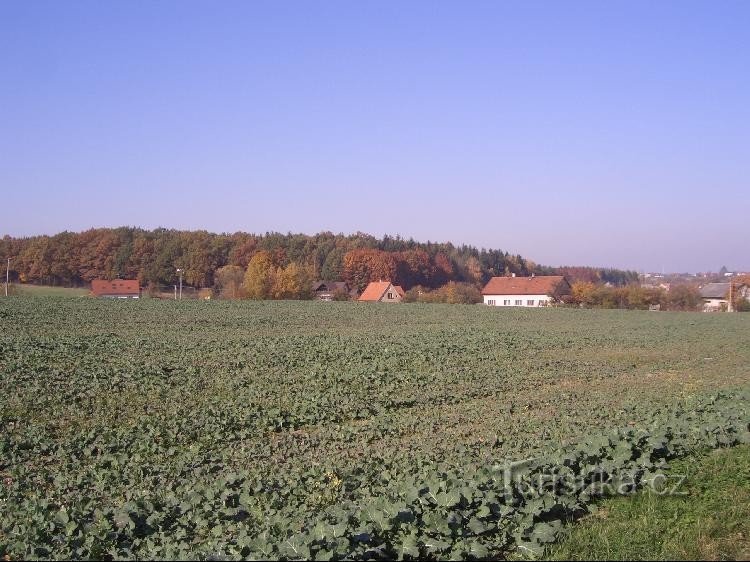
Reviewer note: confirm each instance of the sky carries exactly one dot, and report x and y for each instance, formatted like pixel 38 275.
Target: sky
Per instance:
pixel 611 134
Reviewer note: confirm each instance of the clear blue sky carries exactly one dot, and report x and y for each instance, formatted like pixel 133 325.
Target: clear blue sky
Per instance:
pixel 587 133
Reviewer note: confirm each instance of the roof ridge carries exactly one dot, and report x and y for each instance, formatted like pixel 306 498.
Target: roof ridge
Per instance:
pixel 387 285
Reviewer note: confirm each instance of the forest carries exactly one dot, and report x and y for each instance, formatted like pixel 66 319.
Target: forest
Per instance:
pixel 73 259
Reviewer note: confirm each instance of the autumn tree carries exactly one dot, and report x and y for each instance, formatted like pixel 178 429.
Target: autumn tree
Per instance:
pixel 683 297
pixel 460 293
pixel 740 288
pixel 244 247
pixel 413 267
pixel 259 277
pixel 582 293
pixel 473 270
pixel 291 282
pixel 228 281
pixel 443 270
pixel 452 293
pixel 366 265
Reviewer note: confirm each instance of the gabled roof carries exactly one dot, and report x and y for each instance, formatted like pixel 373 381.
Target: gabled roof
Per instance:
pixel 330 286
pixel 716 290
pixel 376 289
pixel 537 285
pixel 115 287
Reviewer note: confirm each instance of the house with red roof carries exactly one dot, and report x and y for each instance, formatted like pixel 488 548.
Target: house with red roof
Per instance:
pixel 534 291
pixel 382 291
pixel 116 289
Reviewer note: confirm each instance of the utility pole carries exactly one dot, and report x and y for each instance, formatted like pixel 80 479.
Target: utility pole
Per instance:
pixel 179 271
pixel 729 305
pixel 7 276
pixel 175 292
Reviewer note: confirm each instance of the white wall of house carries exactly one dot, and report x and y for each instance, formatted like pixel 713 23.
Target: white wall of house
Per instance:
pixel 391 295
pixel 715 304
pixel 513 300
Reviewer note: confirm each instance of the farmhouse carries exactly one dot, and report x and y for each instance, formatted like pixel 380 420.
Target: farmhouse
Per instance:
pixel 382 291
pixel 525 291
pixel 116 289
pixel 327 290
pixel 716 295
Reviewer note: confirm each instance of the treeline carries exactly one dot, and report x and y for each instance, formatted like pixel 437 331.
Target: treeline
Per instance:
pixel 152 257
pixel 451 293
pixel 590 295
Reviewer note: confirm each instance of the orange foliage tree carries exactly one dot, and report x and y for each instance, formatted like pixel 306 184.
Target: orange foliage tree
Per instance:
pixel 365 265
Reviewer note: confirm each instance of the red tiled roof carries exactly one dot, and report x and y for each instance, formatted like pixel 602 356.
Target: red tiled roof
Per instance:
pixel 537 285
pixel 115 287
pixel 376 289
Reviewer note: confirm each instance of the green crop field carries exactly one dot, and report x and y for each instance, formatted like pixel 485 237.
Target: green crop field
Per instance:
pixel 47 291
pixel 162 429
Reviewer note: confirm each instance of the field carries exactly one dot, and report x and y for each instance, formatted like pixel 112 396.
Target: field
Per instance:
pixel 304 429
pixel 47 291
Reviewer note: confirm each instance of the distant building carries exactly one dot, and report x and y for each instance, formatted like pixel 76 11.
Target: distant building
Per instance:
pixel 327 290
pixel 665 286
pixel 716 295
pixel 382 291
pixel 116 289
pixel 531 291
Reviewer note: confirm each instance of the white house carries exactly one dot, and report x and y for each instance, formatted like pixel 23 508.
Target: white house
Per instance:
pixel 531 291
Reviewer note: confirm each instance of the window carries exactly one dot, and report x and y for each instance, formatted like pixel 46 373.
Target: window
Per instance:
pixel 506 302
pixel 530 302
pixel 542 302
pixel 491 302
pixel 519 302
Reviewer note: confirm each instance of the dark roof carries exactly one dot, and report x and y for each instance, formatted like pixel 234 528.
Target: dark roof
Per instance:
pixel 537 285
pixel 330 286
pixel 715 291
pixel 115 287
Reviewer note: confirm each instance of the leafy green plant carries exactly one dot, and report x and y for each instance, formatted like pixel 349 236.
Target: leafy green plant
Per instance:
pixel 292 431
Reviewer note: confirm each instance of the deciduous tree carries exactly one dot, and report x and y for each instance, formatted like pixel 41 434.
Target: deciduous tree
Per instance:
pixel 259 277
pixel 291 282
pixel 228 281
pixel 366 265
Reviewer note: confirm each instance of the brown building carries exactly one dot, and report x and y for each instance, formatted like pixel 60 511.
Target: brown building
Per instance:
pixel 330 290
pixel 382 291
pixel 116 289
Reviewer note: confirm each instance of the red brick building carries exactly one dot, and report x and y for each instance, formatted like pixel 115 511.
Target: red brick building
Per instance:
pixel 116 289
